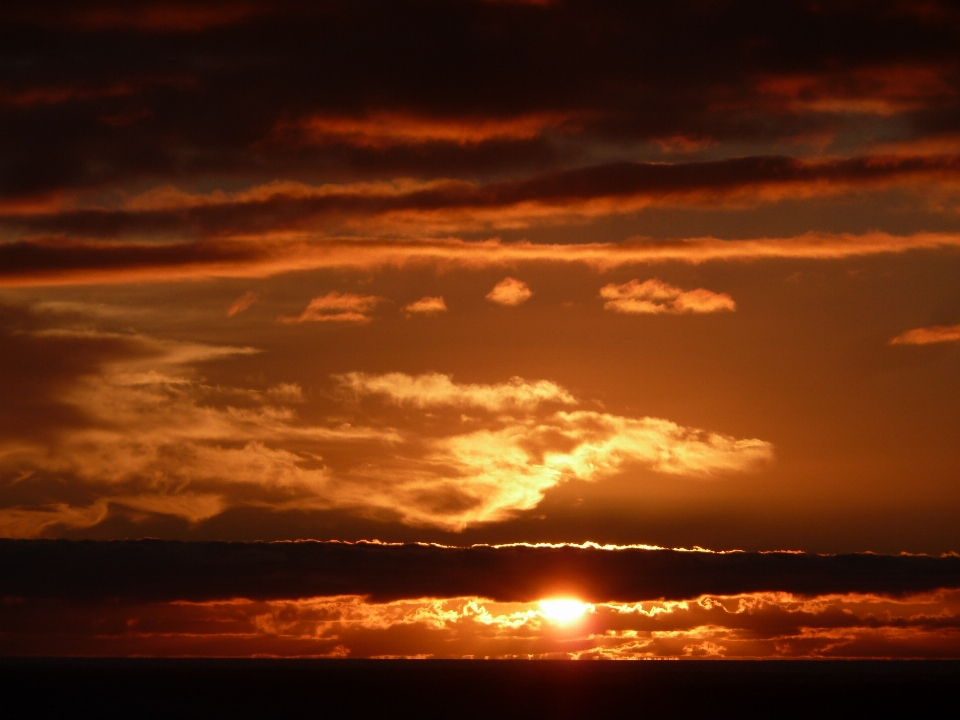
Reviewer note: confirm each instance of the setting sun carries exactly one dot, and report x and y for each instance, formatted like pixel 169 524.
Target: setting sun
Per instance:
pixel 563 610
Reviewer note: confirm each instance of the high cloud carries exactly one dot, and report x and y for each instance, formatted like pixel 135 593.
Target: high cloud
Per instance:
pixel 928 335
pixel 655 296
pixel 510 291
pixel 336 307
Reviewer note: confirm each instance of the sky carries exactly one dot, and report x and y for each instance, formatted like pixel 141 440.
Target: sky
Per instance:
pixel 475 274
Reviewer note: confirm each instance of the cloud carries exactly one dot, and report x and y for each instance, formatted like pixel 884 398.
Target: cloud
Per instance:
pixel 242 303
pixel 140 433
pixel 336 307
pixel 491 475
pixel 435 389
pixel 928 335
pixel 510 291
pixel 749 625
pixel 655 296
pixel 165 571
pixel 385 129
pixel 426 306
pixel 452 205
pixel 55 262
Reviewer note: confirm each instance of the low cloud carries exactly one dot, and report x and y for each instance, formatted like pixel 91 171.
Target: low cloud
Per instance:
pixel 928 335
pixel 336 307
pixel 761 625
pixel 143 434
pixel 164 571
pixel 426 306
pixel 510 291
pixel 656 297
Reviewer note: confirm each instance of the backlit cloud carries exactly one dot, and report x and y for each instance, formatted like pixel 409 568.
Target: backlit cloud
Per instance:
pixel 510 291
pixel 655 296
pixel 748 626
pixel 155 439
pixel 336 307
pixel 928 335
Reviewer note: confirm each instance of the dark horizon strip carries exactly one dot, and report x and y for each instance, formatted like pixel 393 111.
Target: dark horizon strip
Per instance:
pixel 164 571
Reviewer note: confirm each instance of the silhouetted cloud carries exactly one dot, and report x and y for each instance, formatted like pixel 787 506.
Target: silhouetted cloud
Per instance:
pixel 157 571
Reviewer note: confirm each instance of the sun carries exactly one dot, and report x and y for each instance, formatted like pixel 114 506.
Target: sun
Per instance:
pixel 563 610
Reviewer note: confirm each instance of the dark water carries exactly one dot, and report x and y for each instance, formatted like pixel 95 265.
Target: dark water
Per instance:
pixel 141 688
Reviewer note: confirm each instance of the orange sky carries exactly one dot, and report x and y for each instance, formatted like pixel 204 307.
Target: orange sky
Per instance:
pixel 468 273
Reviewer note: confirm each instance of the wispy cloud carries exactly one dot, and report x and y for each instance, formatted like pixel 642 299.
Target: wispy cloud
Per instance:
pixel 336 307
pixel 655 297
pixel 242 303
pixel 928 335
pixel 389 129
pixel 435 389
pixel 53 262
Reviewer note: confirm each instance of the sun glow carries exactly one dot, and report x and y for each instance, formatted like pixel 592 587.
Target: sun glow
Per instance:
pixel 563 611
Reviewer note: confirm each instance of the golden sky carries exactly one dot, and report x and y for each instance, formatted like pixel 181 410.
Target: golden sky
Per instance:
pixel 486 273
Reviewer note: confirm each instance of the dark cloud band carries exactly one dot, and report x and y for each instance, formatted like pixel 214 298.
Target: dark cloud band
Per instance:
pixel 148 570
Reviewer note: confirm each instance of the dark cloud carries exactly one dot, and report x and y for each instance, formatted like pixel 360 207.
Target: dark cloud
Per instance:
pixel 207 84
pixel 622 186
pixel 150 570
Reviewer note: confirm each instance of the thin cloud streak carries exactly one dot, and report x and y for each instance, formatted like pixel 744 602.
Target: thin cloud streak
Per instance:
pixel 436 389
pixel 336 307
pixel 453 205
pixel 928 335
pixel 41 263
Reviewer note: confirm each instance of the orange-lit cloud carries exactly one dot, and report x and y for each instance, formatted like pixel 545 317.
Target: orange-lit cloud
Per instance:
pixel 880 91
pixel 39 263
pixel 242 303
pixel 434 389
pixel 757 626
pixel 510 291
pixel 928 335
pixel 336 307
pixel 655 296
pixel 386 129
pixel 426 306
pixel 159 440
